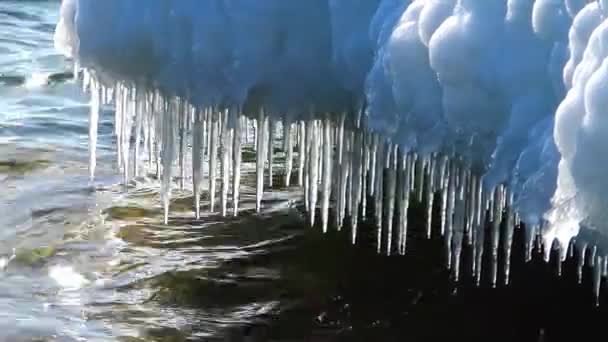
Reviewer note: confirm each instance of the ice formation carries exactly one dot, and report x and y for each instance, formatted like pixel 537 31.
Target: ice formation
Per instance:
pixel 490 109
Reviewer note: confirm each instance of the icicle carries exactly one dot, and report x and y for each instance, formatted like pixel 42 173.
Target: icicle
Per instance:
pixel 473 207
pixel 327 166
pixel 93 126
pixel 288 136
pixel 270 148
pixel 419 185
pixel 393 152
pixel 307 162
pixel 530 235
pixel 147 131
pixel 356 175
pixel 227 131
pixel 349 166
pixel 260 159
pixel 429 195
pixel 236 163
pixel 508 238
pixel 450 213
pixel 592 257
pixel 404 199
pixel 378 193
pixel 158 109
pixel 580 262
pixel 445 180
pixel 182 143
pixel 167 157
pixel 495 233
pixel 458 231
pixel 301 152
pixel 479 245
pixel 125 132
pixel 197 161
pixel 373 155
pixel 343 179
pixel 314 170
pixel 597 278
pixel 118 122
pixel 341 136
pixel 213 139
pixel 365 173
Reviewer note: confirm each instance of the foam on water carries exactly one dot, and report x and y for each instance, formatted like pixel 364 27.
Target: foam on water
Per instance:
pixel 490 108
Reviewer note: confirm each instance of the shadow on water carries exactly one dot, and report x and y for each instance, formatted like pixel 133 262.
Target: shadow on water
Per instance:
pixel 271 278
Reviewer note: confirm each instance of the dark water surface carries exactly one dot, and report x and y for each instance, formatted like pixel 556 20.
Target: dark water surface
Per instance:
pixel 83 261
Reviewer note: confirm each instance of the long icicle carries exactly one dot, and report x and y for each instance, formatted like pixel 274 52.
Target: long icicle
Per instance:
pixel 327 164
pixel 96 93
pixel 390 196
pixel 236 162
pixel 270 148
pixel 214 137
pixel 301 152
pixel 226 138
pixel 379 189
pixel 197 161
pixel 356 175
pixel 314 171
pixel 288 136
pixel 182 143
pixel 260 159
pixel 167 157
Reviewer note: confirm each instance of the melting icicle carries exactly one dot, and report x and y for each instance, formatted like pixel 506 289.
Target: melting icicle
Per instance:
pixel 167 157
pixel 343 163
pixel 260 159
pixel 236 161
pixel 597 277
pixel 450 213
pixel 197 160
pixel 270 147
pixel 356 175
pixel 458 232
pixel 495 232
pixel 429 195
pixel 378 196
pixel 182 143
pixel 226 135
pixel 301 152
pixel 419 171
pixel 288 146
pixel 213 139
pixel 96 93
pixel 508 237
pixel 580 262
pixel 373 154
pixel 404 198
pixel 327 165
pixel 365 173
pixel 393 152
pixel 314 171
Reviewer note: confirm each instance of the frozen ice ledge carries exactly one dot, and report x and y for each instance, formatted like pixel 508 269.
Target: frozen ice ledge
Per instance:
pixel 495 109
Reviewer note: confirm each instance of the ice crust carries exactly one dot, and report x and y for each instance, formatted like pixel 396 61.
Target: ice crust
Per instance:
pixel 517 90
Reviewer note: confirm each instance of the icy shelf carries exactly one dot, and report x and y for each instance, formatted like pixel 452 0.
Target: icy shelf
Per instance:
pixel 492 109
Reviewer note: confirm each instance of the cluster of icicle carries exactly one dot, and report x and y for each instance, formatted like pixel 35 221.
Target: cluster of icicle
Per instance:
pixel 339 166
